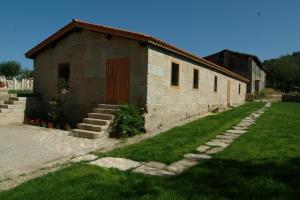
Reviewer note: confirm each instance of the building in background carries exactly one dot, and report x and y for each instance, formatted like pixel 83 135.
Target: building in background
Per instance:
pixel 246 65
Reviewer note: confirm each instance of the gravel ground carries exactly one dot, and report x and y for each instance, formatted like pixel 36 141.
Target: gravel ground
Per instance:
pixel 25 148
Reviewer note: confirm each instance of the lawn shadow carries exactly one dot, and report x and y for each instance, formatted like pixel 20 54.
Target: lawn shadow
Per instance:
pixel 256 179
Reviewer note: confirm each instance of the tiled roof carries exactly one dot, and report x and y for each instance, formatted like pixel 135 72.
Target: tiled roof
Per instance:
pixel 130 35
pixel 254 57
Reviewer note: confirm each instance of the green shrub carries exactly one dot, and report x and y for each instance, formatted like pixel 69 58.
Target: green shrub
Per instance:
pixel 264 93
pixel 26 74
pixel 56 113
pixel 22 93
pixel 128 121
pixel 35 110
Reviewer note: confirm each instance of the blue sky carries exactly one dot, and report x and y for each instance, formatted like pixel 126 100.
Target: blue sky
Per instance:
pixel 266 28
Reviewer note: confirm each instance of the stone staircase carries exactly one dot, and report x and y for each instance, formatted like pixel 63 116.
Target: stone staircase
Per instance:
pixel 97 123
pixel 12 110
pixel 13 104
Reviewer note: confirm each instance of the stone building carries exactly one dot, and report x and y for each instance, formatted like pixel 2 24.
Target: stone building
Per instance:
pixel 88 65
pixel 246 65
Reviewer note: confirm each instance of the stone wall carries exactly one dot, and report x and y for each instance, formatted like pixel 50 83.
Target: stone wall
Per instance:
pixel 87 52
pixel 291 98
pixel 257 74
pixel 168 105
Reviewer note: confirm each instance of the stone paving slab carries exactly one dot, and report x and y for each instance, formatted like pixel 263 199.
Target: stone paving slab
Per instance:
pixel 203 148
pixel 122 164
pixel 244 124
pixel 194 156
pixel 215 150
pixel 240 127
pixel 87 157
pixel 229 137
pixel 217 144
pixel 236 131
pixel 256 115
pixel 153 171
pixel 250 121
pixel 156 165
pixel 181 165
pixel 224 140
pixel 232 135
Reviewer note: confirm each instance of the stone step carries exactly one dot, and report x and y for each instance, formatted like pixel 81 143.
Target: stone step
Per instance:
pixel 13 98
pixel 7 106
pixel 100 116
pixel 9 102
pixel 17 98
pixel 91 127
pixel 104 111
pixel 3 110
pixel 87 134
pixel 108 106
pixel 96 121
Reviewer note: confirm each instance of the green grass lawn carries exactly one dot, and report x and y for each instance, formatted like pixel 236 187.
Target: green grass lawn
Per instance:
pixel 262 164
pixel 170 146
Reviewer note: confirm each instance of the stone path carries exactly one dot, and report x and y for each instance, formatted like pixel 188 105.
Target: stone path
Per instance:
pixel 205 151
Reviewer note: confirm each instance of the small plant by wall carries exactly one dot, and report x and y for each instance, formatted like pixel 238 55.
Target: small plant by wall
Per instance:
pixel 56 113
pixel 128 121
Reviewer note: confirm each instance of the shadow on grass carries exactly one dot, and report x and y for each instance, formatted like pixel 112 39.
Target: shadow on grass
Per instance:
pixel 219 178
pixel 212 179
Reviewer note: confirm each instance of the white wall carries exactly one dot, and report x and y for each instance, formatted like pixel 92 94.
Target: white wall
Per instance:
pixel 14 84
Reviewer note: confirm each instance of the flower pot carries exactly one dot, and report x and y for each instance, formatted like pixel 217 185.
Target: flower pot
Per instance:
pixel 50 125
pixel 31 122
pixel 2 84
pixel 67 127
pixel 37 122
pixel 114 135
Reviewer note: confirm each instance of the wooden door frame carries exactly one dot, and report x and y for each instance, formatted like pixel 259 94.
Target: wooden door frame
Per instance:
pixel 228 92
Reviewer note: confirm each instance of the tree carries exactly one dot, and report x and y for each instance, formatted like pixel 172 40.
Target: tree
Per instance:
pixel 10 69
pixel 284 73
pixel 26 74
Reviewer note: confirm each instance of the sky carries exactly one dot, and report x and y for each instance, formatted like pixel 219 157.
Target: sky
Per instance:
pixel 266 28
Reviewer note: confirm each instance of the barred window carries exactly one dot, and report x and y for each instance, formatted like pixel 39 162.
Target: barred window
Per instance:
pixel 63 78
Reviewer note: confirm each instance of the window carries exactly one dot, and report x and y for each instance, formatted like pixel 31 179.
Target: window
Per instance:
pixel 196 79
pixel 216 84
pixel 239 88
pixel 175 74
pixel 63 78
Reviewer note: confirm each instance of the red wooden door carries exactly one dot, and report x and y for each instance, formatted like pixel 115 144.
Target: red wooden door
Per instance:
pixel 117 80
